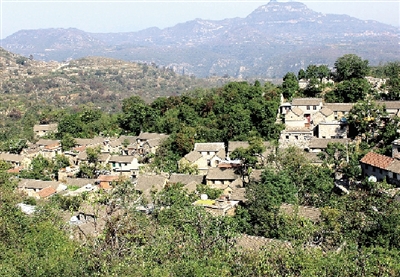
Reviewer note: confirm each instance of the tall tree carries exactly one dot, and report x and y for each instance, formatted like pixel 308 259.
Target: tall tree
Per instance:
pixel 350 66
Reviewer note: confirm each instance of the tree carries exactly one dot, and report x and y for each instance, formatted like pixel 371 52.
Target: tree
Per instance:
pixel 301 74
pixel 290 85
pixel 350 66
pixel 365 118
pixel 349 91
pixel 67 142
pixel 136 115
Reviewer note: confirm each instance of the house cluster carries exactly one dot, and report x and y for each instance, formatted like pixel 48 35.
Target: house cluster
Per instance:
pixel 121 160
pixel 311 124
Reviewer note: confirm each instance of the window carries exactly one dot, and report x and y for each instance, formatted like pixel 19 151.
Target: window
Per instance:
pixel 380 171
pixel 296 137
pixel 287 136
pixel 308 107
pixel 394 175
pixel 314 108
pixel 373 169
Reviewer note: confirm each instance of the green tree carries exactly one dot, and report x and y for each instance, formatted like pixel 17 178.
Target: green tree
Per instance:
pixel 290 85
pixel 349 67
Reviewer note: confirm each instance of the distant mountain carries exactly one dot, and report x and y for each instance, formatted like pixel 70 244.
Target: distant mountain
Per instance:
pixel 275 38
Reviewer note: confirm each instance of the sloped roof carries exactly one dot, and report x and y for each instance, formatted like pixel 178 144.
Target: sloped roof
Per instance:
pixel 297 111
pixel 394 166
pixel 36 184
pixel 216 173
pixel 221 154
pixel 193 156
pixel 306 101
pixel 149 136
pixel 92 141
pixel 390 104
pixel 308 212
pixel 206 147
pixel 321 143
pixel 107 178
pixel 46 142
pixel 103 157
pixel 292 129
pixel 46 192
pixel 186 178
pixel 339 107
pixel 377 160
pixel 148 183
pixel 326 111
pixel 121 159
pixel 238 194
pixel 45 127
pixel 155 142
pixel 11 157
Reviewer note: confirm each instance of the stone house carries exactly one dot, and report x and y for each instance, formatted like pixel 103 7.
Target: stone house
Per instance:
pixel 38 188
pixel 190 182
pixel 381 167
pixel 15 160
pixel 299 137
pixel 103 158
pixel 333 129
pixel 221 178
pixel 106 181
pixel 208 150
pixel 149 142
pixel 339 110
pixel 391 107
pixel 148 184
pixel 194 158
pixel 125 165
pixel 41 130
pixel 49 148
pixel 318 145
pixel 296 118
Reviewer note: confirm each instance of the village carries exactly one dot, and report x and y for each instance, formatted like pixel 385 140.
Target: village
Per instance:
pixel 310 125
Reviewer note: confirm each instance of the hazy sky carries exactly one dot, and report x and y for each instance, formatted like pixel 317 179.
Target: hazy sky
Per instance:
pixel 124 15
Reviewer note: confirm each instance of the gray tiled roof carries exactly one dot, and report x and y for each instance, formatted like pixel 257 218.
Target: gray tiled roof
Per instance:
pixel 121 159
pixel 11 157
pixel 221 174
pixel 297 111
pixel 326 111
pixel 193 156
pixel 212 146
pixel 323 143
pixel 339 107
pixel 149 136
pixel 306 101
pixel 186 178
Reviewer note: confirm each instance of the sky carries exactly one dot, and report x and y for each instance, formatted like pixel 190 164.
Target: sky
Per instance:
pixel 100 16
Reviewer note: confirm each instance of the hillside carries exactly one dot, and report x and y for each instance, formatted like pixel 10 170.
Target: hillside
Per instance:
pixel 101 81
pixel 275 38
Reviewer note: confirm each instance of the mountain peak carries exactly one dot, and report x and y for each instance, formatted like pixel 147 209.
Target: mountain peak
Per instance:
pixel 282 11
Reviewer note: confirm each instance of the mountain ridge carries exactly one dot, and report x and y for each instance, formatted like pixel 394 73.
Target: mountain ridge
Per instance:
pixel 252 46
